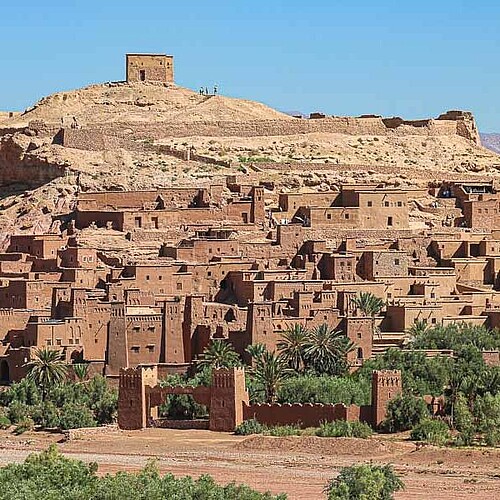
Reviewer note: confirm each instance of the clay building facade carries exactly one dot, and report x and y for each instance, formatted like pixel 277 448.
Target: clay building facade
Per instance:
pixel 150 68
pixel 244 279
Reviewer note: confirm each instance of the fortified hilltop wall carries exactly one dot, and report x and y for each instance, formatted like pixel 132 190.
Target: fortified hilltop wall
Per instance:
pixel 459 123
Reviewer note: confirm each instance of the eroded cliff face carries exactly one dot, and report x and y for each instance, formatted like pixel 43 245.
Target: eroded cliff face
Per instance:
pixel 23 160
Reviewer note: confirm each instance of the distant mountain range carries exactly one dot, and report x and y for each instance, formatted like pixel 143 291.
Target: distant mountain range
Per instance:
pixel 491 141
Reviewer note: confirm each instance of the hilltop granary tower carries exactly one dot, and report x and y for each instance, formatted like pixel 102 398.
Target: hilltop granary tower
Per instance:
pixel 150 68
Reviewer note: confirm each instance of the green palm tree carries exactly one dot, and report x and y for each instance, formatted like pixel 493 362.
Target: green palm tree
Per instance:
pixel 270 371
pixel 218 354
pixel 326 350
pixel 81 371
pixel 368 304
pixel 46 369
pixel 416 331
pixel 291 346
pixel 256 350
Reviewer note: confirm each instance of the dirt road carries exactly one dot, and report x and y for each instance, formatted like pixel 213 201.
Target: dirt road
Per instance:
pixel 298 466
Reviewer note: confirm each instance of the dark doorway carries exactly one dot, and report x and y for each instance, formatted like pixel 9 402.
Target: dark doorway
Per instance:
pixel 4 372
pixel 142 75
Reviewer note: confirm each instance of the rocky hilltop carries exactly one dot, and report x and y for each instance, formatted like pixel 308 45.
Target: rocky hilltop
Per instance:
pixel 141 135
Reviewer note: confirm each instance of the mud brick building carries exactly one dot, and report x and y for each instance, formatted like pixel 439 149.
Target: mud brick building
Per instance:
pixel 150 68
pixel 240 262
pixel 366 207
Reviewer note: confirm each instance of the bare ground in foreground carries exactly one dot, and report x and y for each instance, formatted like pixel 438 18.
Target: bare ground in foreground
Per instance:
pixel 299 466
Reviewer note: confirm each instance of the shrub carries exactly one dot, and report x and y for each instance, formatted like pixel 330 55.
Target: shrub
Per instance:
pixel 462 417
pixel 284 430
pixel 248 427
pixel 404 412
pixel 325 389
pixel 364 482
pixel 24 391
pixel 341 428
pixel 431 431
pixel 5 423
pixel 49 475
pixel 466 437
pixel 102 400
pixel 24 425
pixel 182 407
pixel 492 437
pixel 46 415
pixel 74 416
pixel 18 411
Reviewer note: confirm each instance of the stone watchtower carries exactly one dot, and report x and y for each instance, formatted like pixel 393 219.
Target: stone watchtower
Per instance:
pixel 228 393
pixel 150 68
pixel 386 385
pixel 133 412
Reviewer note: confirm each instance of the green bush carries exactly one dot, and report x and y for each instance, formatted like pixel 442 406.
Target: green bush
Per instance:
pixel 18 412
pixel 465 438
pixel 250 426
pixel 431 431
pixel 284 430
pixel 404 412
pixel 96 402
pixel 46 415
pixel 492 437
pixel 341 428
pixel 49 475
pixel 364 482
pixel 5 423
pixel 456 336
pixel 421 375
pixel 462 416
pixel 24 425
pixel 182 407
pixel 74 416
pixel 24 391
pixel 325 389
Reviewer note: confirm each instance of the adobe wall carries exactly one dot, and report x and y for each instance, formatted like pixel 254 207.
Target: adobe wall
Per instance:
pixel 305 415
pixel 463 126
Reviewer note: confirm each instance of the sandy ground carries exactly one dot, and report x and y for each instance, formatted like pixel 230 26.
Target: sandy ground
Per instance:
pixel 298 466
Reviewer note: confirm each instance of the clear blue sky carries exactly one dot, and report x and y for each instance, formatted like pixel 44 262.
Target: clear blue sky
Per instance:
pixel 342 57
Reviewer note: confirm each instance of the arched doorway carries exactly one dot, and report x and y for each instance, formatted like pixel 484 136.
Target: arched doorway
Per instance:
pixel 4 372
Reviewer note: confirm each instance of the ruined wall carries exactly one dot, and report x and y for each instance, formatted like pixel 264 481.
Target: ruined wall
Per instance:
pixel 449 124
pixel 463 126
pixel 19 166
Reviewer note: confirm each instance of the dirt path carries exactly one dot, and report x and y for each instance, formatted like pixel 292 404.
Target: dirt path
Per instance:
pixel 298 466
